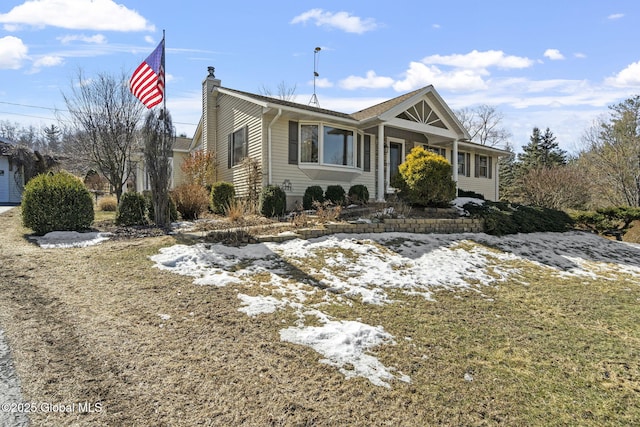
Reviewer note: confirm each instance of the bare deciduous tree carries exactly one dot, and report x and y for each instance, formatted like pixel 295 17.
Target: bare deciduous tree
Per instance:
pixel 284 93
pixel 484 125
pixel 557 187
pixel 105 116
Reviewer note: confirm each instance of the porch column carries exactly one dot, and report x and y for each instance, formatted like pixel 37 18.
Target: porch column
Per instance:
pixel 454 163
pixel 380 195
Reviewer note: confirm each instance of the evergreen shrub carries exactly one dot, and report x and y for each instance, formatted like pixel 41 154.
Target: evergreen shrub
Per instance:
pixel 335 194
pixel 359 194
pixel 273 201
pixel 312 194
pixel 58 202
pixel 425 179
pixel 132 209
pixel 222 194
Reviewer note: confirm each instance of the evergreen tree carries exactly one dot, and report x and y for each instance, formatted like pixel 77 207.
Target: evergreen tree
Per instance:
pixel 507 166
pixel 52 136
pixel 541 152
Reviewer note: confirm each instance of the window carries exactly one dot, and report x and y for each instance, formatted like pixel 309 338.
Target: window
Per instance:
pixel 238 146
pixel 329 145
pixel 464 164
pixel 309 147
pixel 338 146
pixel 440 151
pixel 483 166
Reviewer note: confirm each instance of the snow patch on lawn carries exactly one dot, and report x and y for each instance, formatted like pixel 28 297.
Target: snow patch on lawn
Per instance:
pixel 348 269
pixel 253 306
pixel 70 239
pixel 343 345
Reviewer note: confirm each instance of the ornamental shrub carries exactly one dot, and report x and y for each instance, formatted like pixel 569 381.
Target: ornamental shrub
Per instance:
pixel 191 200
pixel 273 201
pixel 58 202
pixel 335 194
pixel 222 194
pixel 427 177
pixel 132 209
pixel 359 194
pixel 502 218
pixel 312 194
pixel 108 204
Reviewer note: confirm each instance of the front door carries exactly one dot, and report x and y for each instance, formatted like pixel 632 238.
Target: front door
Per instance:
pixel 395 159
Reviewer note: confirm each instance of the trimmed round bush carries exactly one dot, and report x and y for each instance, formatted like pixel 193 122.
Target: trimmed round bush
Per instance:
pixel 132 210
pixel 222 194
pixel 58 202
pixel 191 200
pixel 359 194
pixel 335 194
pixel 273 201
pixel 427 177
pixel 312 194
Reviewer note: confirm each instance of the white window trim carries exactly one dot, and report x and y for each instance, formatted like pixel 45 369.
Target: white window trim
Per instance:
pixel 321 163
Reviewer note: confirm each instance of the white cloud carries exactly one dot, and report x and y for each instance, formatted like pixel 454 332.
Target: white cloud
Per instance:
pixel 553 54
pixel 371 81
pixel 580 55
pixel 480 60
pixel 630 76
pixel 419 75
pixel 436 26
pixel 340 20
pixel 48 61
pixel 323 83
pixel 95 39
pixel 75 15
pixel 615 16
pixel 12 53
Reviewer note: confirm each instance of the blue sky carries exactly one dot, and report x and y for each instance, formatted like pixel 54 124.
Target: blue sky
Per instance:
pixel 555 64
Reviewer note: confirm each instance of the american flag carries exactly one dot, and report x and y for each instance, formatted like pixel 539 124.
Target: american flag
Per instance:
pixel 147 82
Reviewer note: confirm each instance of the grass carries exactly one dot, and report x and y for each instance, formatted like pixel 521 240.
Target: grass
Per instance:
pixel 85 325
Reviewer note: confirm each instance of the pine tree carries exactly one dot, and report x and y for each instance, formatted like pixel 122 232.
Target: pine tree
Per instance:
pixel 52 136
pixel 541 152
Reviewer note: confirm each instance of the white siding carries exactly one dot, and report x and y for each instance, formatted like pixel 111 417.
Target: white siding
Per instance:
pixel 282 170
pixel 235 114
pixel 484 186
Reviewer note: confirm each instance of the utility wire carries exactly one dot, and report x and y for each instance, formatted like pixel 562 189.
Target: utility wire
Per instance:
pixel 54 110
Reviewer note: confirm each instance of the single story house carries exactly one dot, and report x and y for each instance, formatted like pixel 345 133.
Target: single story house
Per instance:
pixel 299 145
pixel 11 175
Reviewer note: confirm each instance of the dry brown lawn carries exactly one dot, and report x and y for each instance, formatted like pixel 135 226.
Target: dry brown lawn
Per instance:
pixel 84 325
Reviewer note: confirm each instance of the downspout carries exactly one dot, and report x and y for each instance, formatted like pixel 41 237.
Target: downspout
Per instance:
pixel 269 162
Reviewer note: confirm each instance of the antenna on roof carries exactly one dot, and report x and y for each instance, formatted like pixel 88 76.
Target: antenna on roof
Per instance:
pixel 314 98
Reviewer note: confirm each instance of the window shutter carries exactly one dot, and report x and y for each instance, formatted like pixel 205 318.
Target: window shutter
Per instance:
pixel 230 151
pixel 293 143
pixel 468 165
pixel 245 148
pixel 476 162
pixel 490 173
pixel 367 153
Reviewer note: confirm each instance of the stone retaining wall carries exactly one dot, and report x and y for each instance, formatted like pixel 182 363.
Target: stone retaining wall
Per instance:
pixel 408 225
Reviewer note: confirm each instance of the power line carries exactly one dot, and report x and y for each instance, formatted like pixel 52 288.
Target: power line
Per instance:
pixel 55 110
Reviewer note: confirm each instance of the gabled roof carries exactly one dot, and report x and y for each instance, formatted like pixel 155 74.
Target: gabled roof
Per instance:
pixel 276 101
pixel 382 111
pixel 383 107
